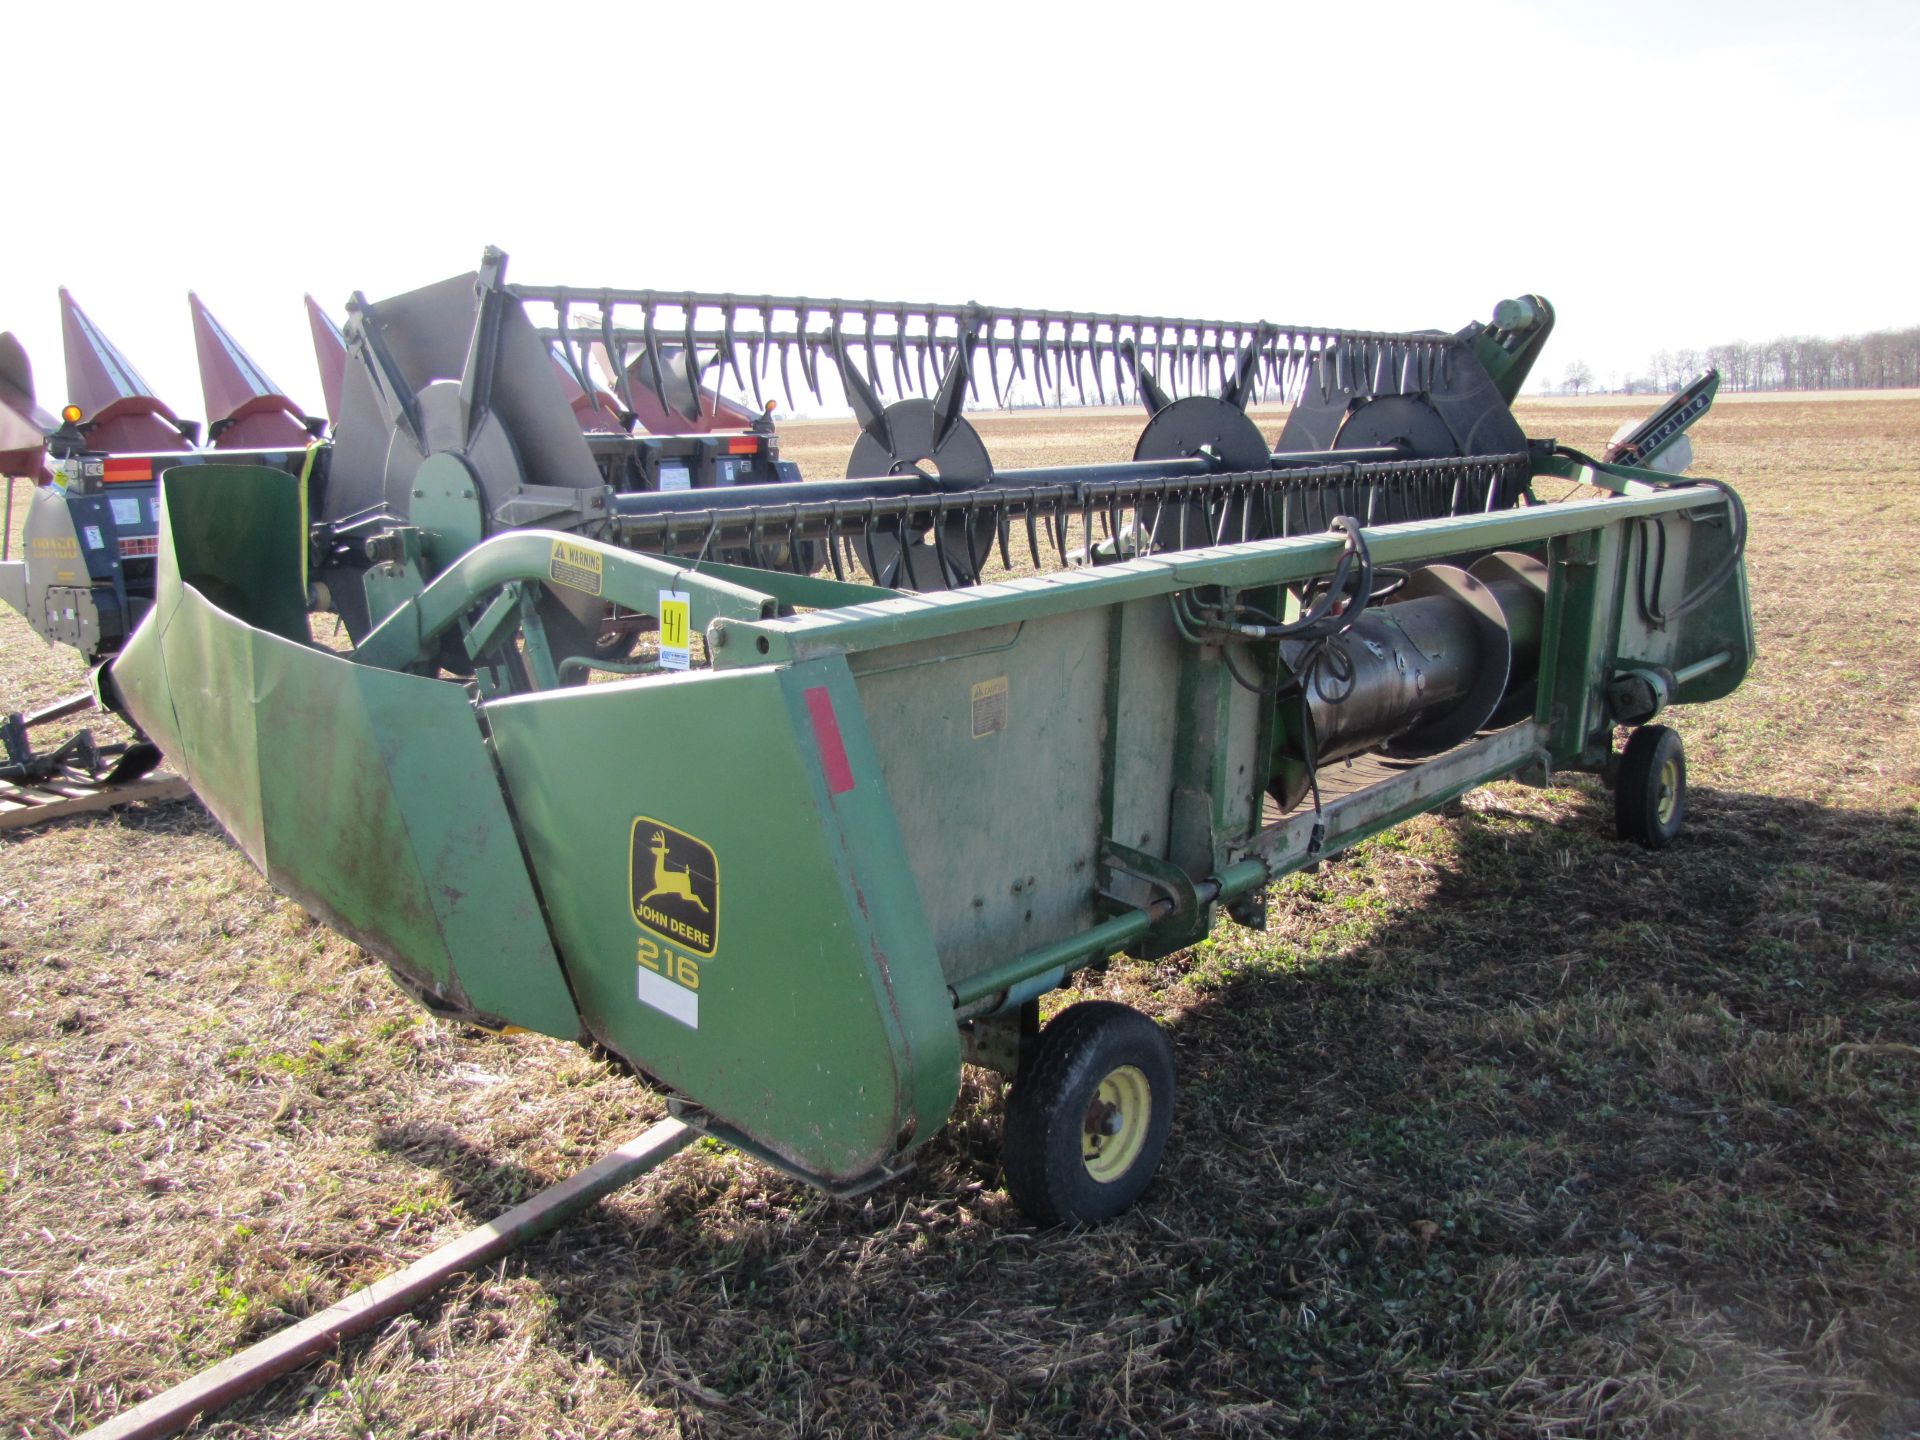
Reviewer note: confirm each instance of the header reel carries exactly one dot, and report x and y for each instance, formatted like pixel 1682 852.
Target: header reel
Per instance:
pixel 455 422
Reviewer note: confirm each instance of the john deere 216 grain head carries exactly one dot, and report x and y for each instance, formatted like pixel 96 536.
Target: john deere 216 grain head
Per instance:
pixel 875 763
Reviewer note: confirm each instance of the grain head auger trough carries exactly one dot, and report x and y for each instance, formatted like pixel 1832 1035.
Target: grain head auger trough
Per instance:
pixel 870 793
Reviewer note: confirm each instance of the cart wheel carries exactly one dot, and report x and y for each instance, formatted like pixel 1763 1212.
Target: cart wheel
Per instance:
pixel 1650 800
pixel 1089 1114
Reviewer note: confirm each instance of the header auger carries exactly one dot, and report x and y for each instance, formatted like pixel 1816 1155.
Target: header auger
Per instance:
pixel 872 791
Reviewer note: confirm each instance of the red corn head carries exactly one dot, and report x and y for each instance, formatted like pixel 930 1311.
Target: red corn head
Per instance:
pixel 245 410
pixel 127 418
pixel 24 426
pixel 330 351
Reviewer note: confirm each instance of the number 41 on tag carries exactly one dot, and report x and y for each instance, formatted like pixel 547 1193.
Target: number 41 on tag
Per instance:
pixel 676 650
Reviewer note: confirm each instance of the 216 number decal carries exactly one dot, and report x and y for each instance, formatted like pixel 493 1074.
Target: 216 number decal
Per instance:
pixel 665 960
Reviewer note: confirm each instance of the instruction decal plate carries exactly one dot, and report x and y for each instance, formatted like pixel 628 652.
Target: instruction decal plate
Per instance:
pixel 989 707
pixel 578 567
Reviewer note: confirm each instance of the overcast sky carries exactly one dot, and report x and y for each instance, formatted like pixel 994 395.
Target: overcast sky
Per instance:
pixel 1669 175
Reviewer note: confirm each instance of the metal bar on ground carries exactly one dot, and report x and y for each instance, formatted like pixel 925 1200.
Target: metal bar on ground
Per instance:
pixel 22 805
pixel 208 1392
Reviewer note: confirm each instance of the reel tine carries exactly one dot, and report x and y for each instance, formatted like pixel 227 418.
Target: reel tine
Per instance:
pixel 793 541
pixel 1000 523
pixel 692 412
pixel 972 506
pixel 653 356
pixel 1058 525
pixel 920 350
pixel 873 360
pixel 616 358
pixel 1093 349
pixel 1033 537
pixel 874 571
pixel 809 362
pixel 899 358
pixel 753 372
pixel 901 528
pixel 833 552
pixel 786 372
pixel 948 575
pixel 732 346
pixel 993 359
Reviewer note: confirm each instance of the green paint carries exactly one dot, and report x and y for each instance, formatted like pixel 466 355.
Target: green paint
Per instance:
pixel 695 872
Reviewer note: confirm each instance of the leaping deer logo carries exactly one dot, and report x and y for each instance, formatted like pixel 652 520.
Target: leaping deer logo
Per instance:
pixel 677 884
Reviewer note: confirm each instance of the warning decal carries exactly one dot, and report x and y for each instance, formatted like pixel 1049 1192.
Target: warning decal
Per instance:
pixel 578 567
pixel 989 707
pixel 676 885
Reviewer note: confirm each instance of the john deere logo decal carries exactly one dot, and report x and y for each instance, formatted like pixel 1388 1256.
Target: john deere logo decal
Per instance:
pixel 676 885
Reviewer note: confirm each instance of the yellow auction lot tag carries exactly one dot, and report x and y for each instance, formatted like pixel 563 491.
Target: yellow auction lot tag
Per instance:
pixel 676 649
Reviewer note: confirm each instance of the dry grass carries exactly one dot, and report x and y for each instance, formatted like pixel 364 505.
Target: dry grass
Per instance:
pixel 1501 1129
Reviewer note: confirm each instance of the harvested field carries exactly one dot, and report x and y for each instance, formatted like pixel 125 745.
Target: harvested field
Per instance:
pixel 1502 1128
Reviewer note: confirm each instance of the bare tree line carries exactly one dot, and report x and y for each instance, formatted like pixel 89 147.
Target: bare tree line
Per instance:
pixel 1883 360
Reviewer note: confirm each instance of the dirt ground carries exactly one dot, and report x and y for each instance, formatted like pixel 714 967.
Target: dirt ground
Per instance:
pixel 1502 1128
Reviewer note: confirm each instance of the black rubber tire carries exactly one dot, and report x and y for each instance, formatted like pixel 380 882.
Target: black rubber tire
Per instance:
pixel 1048 1113
pixel 1650 799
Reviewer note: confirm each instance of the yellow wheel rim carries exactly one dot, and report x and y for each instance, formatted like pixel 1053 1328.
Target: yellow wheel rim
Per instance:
pixel 1116 1125
pixel 1669 792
